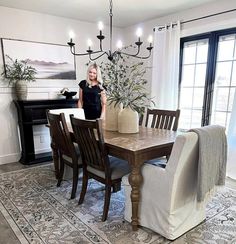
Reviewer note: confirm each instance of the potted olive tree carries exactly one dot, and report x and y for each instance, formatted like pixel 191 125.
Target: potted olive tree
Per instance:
pixel 125 86
pixel 18 73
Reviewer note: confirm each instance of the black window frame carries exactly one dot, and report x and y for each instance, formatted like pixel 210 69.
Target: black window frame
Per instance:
pixel 213 38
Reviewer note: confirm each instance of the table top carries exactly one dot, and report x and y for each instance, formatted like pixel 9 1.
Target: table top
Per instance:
pixel 145 138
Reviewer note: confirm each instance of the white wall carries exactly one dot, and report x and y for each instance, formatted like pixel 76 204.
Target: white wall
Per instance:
pixel 25 25
pixel 31 26
pixel 223 21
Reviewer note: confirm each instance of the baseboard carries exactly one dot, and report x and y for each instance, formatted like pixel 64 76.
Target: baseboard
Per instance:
pixel 43 150
pixel 10 158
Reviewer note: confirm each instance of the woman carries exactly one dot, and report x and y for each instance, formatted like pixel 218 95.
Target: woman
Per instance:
pixel 92 96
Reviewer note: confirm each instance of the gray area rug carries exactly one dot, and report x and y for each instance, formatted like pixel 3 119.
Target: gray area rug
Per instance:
pixel 40 212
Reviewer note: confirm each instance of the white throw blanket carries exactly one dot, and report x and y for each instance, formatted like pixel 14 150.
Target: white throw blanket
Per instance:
pixel 212 158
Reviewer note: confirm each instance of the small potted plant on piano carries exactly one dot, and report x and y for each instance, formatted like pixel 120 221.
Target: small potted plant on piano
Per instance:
pixel 18 73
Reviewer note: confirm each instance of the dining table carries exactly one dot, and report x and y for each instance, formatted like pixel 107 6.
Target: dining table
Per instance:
pixel 136 148
pixel 148 143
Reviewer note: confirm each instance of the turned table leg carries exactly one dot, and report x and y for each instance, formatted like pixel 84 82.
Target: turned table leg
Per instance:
pixel 135 180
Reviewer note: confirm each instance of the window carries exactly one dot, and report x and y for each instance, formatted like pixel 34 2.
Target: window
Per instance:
pixel 207 78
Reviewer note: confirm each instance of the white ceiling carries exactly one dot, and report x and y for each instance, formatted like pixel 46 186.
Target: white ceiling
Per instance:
pixel 126 12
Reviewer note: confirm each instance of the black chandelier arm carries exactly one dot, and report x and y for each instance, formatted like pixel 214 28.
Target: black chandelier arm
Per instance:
pixel 136 56
pixel 72 50
pixel 93 59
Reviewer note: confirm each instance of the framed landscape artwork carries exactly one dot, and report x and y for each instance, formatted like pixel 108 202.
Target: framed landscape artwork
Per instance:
pixel 51 61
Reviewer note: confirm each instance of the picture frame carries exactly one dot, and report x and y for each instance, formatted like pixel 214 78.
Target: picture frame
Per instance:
pixel 51 61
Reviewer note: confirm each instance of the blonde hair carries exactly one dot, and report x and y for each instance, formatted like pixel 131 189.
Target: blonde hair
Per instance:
pixel 99 74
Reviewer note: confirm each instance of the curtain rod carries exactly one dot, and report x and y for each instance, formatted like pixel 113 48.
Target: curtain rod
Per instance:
pixel 203 17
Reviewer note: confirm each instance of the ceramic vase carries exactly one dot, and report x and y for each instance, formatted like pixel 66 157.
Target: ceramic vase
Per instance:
pixel 128 121
pixel 111 116
pixel 21 89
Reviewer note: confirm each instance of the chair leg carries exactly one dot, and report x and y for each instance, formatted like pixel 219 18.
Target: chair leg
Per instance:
pixel 61 172
pixel 75 182
pixel 117 187
pixel 84 188
pixel 167 157
pixel 107 202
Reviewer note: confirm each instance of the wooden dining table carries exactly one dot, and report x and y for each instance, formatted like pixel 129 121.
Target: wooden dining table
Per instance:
pixel 148 143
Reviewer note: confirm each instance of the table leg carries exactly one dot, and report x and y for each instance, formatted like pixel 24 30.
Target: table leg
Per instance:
pixel 135 180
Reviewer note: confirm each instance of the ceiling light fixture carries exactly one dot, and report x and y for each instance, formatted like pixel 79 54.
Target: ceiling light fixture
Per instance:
pixel 93 55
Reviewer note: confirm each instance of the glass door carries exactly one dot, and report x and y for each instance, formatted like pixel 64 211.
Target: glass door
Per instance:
pixel 207 79
pixel 225 80
pixel 192 82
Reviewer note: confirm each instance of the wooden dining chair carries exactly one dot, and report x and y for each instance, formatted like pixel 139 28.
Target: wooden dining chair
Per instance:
pixel 163 119
pixel 68 151
pixel 96 162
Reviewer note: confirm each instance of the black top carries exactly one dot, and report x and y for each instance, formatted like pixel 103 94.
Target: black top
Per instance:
pixel 91 100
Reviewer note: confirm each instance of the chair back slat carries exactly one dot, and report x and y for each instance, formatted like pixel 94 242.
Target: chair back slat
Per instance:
pixel 60 134
pixel 163 119
pixel 89 137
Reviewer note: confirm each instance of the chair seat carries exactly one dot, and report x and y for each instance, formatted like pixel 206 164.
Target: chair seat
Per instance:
pixel 118 167
pixel 69 159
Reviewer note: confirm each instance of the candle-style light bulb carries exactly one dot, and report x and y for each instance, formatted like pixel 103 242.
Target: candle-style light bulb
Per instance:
pixel 71 35
pixel 100 27
pixel 139 33
pixel 119 44
pixel 90 43
pixel 150 40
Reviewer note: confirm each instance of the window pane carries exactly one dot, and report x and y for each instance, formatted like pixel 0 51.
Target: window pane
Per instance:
pixel 189 53
pixel 196 118
pixel 227 121
pixel 223 72
pixel 198 98
pixel 202 51
pixel 200 75
pixel 233 80
pixel 187 75
pixel 186 97
pixel 185 119
pixel 219 118
pixel 231 99
pixel 226 49
pixel 221 97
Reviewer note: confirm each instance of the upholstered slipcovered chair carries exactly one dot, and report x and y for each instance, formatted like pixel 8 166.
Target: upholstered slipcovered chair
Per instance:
pixel 168 203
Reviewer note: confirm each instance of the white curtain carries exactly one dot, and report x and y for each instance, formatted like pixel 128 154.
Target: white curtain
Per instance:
pixel 231 136
pixel 165 74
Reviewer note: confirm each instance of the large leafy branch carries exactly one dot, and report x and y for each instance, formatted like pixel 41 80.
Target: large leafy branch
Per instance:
pixel 125 83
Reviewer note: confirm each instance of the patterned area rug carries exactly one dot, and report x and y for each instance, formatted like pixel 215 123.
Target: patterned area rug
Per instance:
pixel 40 212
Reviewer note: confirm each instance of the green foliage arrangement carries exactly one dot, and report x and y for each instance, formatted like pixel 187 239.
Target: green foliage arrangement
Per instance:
pixel 18 70
pixel 125 83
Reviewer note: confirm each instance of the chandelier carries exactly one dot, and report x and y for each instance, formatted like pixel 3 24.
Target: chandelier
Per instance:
pixel 93 55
